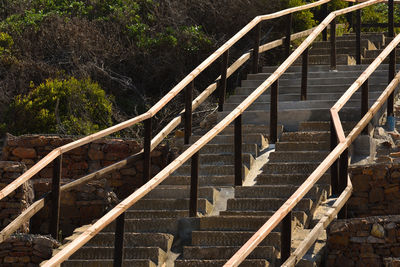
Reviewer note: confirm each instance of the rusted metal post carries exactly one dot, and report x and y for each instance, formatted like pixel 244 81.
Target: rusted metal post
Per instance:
pixel 238 151
pixel 333 44
pixel 335 165
pixel 392 57
pixel 256 47
pixel 188 111
pixel 222 83
pixel 194 185
pixel 55 197
pixel 286 237
pixel 365 102
pixel 358 37
pixel 288 34
pixel 324 15
pixel 304 75
pixel 273 125
pixel 147 151
pixel 344 164
pixel 119 240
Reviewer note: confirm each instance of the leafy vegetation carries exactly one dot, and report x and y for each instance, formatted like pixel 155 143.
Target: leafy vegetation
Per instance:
pixel 61 106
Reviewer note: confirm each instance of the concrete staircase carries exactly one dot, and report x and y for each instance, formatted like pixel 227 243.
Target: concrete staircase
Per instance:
pixel 228 216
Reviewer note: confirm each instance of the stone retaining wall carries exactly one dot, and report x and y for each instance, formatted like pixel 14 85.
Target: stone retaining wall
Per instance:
pixel 371 241
pixel 22 250
pixel 19 200
pixel 376 190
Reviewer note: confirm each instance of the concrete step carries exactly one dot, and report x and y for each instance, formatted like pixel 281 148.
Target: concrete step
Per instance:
pixel 287 105
pixel 302 146
pixel 300 216
pixel 232 223
pixel 275 191
pixel 319 68
pixel 215 253
pixel 315 75
pixel 219 263
pixel 183 191
pixel 341 51
pixel 305 136
pixel 160 240
pixel 210 170
pixel 171 204
pixel 378 39
pixel 107 263
pixel 148 225
pixel 226 149
pixel 375 53
pixel 153 254
pixel 231 238
pixel 324 125
pixel 369 60
pixel 343 59
pixel 137 214
pixel 316 81
pixel 298 156
pixel 265 204
pixel 238 98
pixel 344 43
pixel 285 179
pixel 337 87
pixel 290 118
pixel 254 138
pixel 289 167
pixel 215 180
pixel 223 159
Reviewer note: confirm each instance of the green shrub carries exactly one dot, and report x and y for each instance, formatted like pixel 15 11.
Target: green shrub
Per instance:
pixel 6 43
pixel 61 106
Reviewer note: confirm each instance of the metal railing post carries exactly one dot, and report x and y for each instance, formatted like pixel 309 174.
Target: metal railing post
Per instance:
pixel 304 75
pixel 273 121
pixel 238 151
pixel 333 44
pixel 286 237
pixel 344 164
pixel 324 15
pixel 365 102
pixel 55 197
pixel 222 83
pixel 358 37
pixel 256 47
pixel 194 185
pixel 392 57
pixel 288 34
pixel 188 111
pixel 147 151
pixel 119 240
pixel 350 17
pixel 335 165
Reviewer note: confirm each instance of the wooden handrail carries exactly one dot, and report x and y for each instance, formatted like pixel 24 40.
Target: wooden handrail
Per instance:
pixel 275 219
pixel 158 106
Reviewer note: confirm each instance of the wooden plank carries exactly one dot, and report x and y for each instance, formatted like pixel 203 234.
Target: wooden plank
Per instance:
pixel 306 244
pixel 338 126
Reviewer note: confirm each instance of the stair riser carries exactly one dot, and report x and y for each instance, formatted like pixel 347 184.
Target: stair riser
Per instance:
pixel 285 179
pixel 297 157
pixel 301 146
pixel 208 193
pixel 217 159
pixel 276 192
pixel 229 139
pixel 228 149
pixel 160 225
pixel 201 238
pixel 107 263
pixel 210 170
pixel 311 82
pixel 174 204
pixel 305 136
pixel 324 126
pixel 219 263
pixel 341 44
pixel 316 75
pixel 314 68
pixel 225 180
pixel 278 168
pixel 214 253
pixel 326 60
pixel 265 204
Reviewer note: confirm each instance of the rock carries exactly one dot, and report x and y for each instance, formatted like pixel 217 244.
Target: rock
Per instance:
pixel 95 154
pixel 378 231
pixel 24 153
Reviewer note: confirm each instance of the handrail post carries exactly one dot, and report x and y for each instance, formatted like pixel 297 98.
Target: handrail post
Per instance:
pixel 256 48
pixel 147 151
pixel 288 34
pixel 119 240
pixel 238 151
pixel 365 101
pixel 286 237
pixel 194 184
pixel 350 17
pixel 358 37
pixel 344 164
pixel 304 75
pixel 333 44
pixel 273 121
pixel 335 165
pixel 324 15
pixel 55 197
pixel 222 84
pixel 392 57
pixel 188 112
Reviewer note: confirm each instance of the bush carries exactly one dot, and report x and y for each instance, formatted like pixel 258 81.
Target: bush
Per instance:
pixel 61 106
